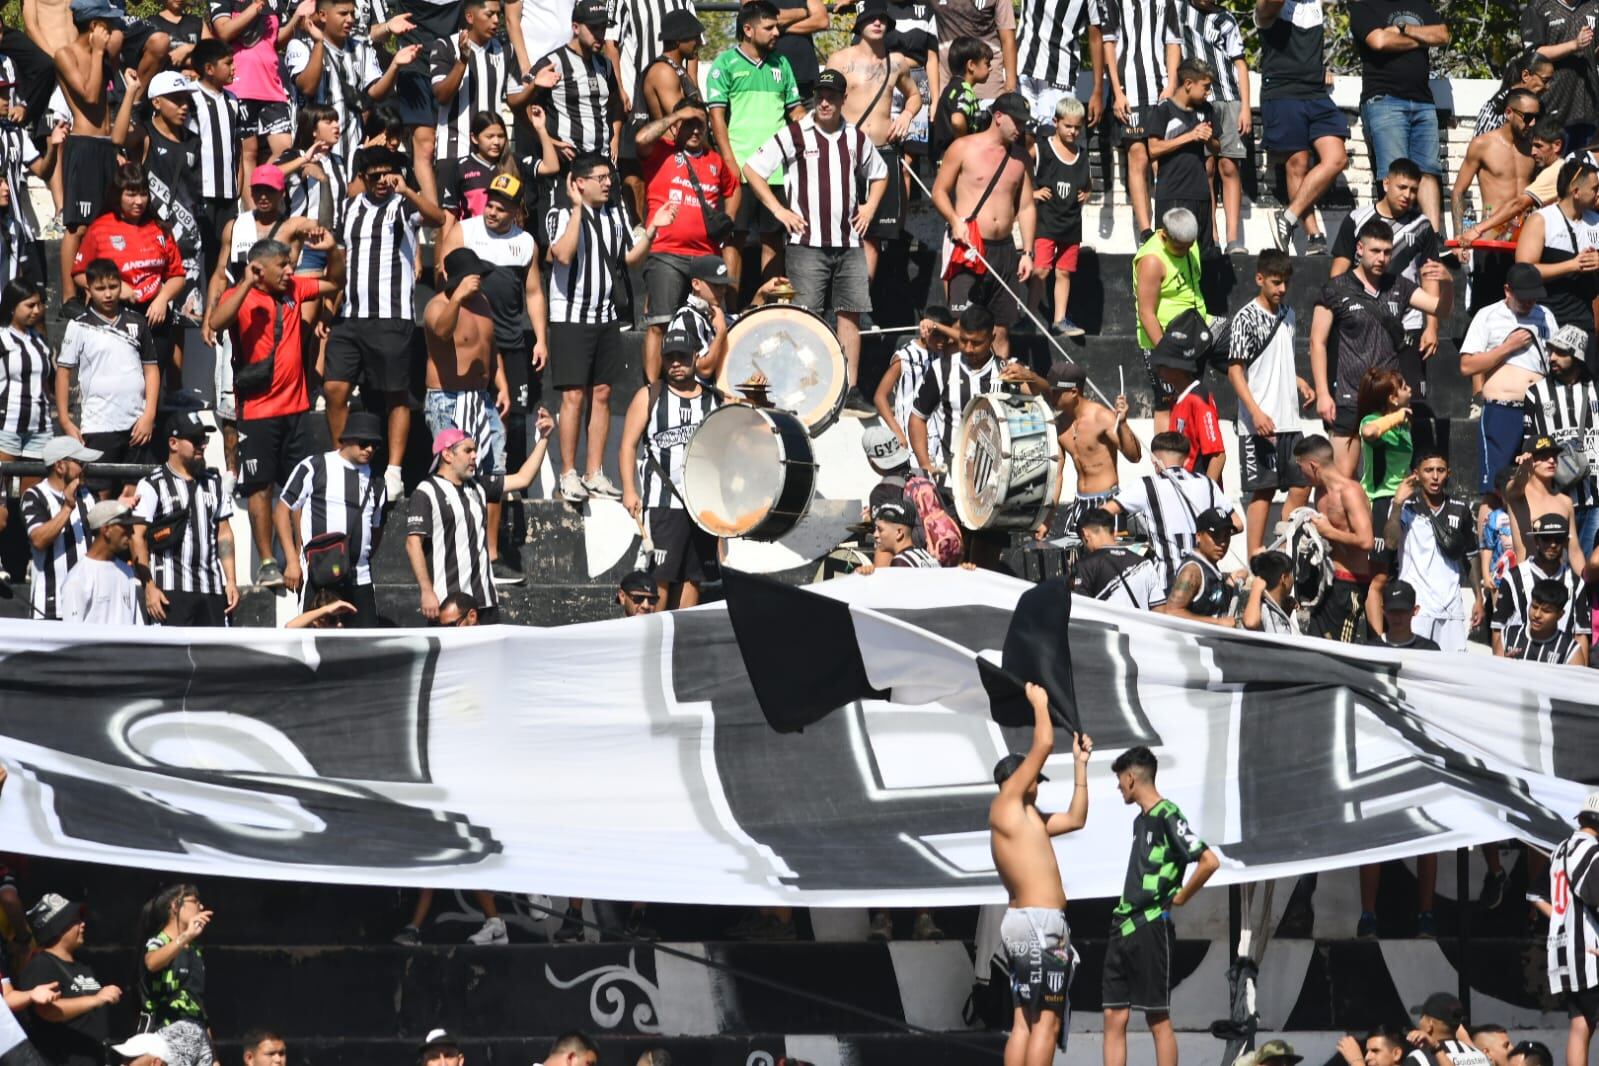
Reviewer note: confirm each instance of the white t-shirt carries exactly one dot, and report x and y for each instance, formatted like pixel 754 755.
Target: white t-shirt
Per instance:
pixel 1264 346
pixel 110 357
pixel 513 248
pixel 104 593
pixel 1434 577
pixel 1490 326
pixel 546 26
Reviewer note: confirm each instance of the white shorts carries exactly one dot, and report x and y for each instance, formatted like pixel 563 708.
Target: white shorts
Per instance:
pixel 1042 97
pixel 227 408
pixel 1448 633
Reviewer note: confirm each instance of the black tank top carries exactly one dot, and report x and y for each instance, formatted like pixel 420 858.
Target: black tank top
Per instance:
pixel 1215 596
pixel 1060 218
pixel 641 107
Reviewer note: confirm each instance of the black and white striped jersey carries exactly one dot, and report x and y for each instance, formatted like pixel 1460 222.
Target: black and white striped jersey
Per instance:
pixel 454 521
pixel 1049 38
pixel 638 29
pixel 698 325
pixel 25 378
pixel 580 291
pixel 1213 36
pixel 346 75
pixel 825 175
pixel 579 110
pixel 194 565
pixel 17 153
pixel 1569 414
pixel 216 119
pixel 1141 29
pixel 15 248
pixel 947 388
pixel 1519 643
pixel 322 199
pixel 1491 115
pixel 1574 926
pixel 173 169
pixel 489 71
pixel 1168 502
pixel 672 421
pixel 1121 576
pixel 916 558
pixel 1515 595
pixel 333 495
pixel 40 504
pixel 368 14
pixel 380 255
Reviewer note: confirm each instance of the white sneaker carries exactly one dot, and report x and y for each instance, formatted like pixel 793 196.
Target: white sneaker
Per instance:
pixel 393 484
pixel 572 488
pixel 493 932
pixel 230 484
pixel 600 485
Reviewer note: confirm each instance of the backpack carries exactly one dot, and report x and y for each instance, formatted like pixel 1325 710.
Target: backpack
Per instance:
pixel 940 532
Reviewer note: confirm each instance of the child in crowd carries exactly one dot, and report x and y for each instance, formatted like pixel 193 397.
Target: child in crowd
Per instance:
pixel 1210 34
pixel 1181 132
pixel 1062 183
pixel 1386 447
pixel 935 338
pixel 957 114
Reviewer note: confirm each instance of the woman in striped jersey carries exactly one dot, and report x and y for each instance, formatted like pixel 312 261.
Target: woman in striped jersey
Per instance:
pixel 27 421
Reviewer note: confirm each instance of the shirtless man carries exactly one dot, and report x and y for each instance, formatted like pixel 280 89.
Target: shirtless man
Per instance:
pixel 674 74
pixel 88 158
pixel 1531 495
pixel 1500 161
pixel 462 364
pixel 51 24
pixel 958 195
pixel 1090 433
pixel 873 73
pixel 1034 928
pixel 1345 523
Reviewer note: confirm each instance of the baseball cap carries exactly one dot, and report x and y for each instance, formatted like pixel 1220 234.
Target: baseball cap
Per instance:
pixel 461 264
pixel 363 427
pixel 1543 443
pixel 1551 525
pixel 169 83
pixel 591 13
pixel 141 1044
pixel 1067 375
pixel 1591 804
pixel 188 425
pixel 883 449
pixel 1214 520
pixel 872 11
pixel 110 513
pixel 638 581
pixel 1009 765
pixel 1014 105
pixel 446 440
pixel 895 512
pixel 832 81
pixel 709 269
pixel 681 25
pixel 679 340
pixel 268 175
pixel 1277 1051
pixel 1525 282
pixel 65 447
pixel 1443 1006
pixel 439 1038
pixel 1398 596
pixel 1573 339
pixel 506 185
pixel 54 914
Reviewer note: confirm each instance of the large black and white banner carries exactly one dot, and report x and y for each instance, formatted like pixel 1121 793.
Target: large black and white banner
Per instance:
pixel 630 759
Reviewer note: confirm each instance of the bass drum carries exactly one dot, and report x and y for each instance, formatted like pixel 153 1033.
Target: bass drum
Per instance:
pixel 748 472
pixel 801 358
pixel 1006 462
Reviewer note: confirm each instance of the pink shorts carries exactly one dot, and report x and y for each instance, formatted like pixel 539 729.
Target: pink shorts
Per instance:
pixel 1047 255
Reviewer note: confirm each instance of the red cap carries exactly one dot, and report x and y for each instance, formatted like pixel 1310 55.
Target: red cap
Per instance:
pixel 268 175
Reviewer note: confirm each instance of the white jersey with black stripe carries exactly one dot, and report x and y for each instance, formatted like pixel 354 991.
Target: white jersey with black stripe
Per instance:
pixel 1141 29
pixel 52 563
pixel 1515 596
pixel 17 153
pixel 453 519
pixel 1049 39
pixel 638 30
pixel 1169 501
pixel 823 175
pixel 215 119
pixel 380 239
pixel 347 73
pixel 194 565
pixel 580 291
pixel 1569 414
pixel 947 388
pixel 333 495
pixel 490 69
pixel 25 378
pixel 1212 36
pixel 672 422
pixel 1574 926
pixel 580 107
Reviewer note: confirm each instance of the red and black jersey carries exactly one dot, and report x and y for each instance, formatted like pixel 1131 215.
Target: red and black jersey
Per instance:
pixel 464 185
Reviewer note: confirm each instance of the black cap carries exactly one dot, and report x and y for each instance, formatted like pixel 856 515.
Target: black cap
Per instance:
pixel 1399 596
pixel 681 25
pixel 832 81
pixel 1525 282
pixel 709 269
pixel 1551 525
pixel 1009 765
pixel 679 340
pixel 1443 1006
pixel 188 425
pixel 463 263
pixel 591 13
pixel 638 581
pixel 439 1038
pixel 53 915
pixel 1214 520
pixel 1067 375
pixel 872 11
pixel 1014 105
pixel 894 511
pixel 1544 443
pixel 363 427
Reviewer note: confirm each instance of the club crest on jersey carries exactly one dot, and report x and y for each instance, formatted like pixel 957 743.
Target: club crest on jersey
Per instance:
pixel 777 74
pixel 119 243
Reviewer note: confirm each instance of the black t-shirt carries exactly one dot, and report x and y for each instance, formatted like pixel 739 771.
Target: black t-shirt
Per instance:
pixel 1415 643
pixel 957 96
pixel 1060 218
pixel 1292 53
pixel 1181 175
pixel 1369 327
pixel 1401 74
pixel 81 1041
pixel 464 185
pixel 184 31
pixel 800 51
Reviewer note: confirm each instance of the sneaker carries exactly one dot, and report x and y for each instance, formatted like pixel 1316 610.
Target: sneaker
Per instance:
pixel 1067 328
pixel 1282 230
pixel 506 574
pixel 572 488
pixel 409 937
pixel 1426 926
pixel 856 401
pixel 71 309
pixel 1316 245
pixel 230 484
pixel 1237 248
pixel 1493 890
pixel 269 576
pixel 600 485
pixel 493 932
pixel 393 484
pixel 1367 928
pixel 571 929
pixel 882 930
pixel 926 928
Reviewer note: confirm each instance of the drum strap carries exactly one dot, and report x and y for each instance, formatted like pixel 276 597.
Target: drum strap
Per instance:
pixel 656 391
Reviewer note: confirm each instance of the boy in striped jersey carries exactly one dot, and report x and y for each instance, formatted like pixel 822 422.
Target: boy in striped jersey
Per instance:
pixel 1574 928
pixel 1541 640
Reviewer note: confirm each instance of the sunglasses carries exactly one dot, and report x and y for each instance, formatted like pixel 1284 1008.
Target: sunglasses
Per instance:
pixel 1528 115
pixel 641 598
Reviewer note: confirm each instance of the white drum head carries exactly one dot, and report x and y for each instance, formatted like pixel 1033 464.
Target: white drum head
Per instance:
pixel 802 360
pixel 732 471
pixel 981 446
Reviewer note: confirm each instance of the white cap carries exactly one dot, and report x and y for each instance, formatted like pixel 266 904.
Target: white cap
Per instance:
pixel 883 449
pixel 1573 339
pixel 1591 804
pixel 141 1044
pixel 109 512
pixel 169 83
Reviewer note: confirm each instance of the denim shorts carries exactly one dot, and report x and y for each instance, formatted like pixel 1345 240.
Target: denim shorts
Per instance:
pixel 24 445
pixel 1398 128
pixel 471 411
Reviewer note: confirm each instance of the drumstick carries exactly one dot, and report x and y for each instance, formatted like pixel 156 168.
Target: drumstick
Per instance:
pixel 1121 378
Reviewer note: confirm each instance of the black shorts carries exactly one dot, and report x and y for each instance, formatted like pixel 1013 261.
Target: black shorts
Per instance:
pixel 753 217
pixel 584 354
pixel 889 221
pixel 683 551
pixel 89 164
pixel 379 353
pixel 413 98
pixel 1200 209
pixel 1138 969
pixel 666 286
pixel 1269 464
pixel 270 449
pixel 966 288
pixel 264 118
pixel 1341 614
pixel 1346 421
pixel 196 609
pixel 1584 1004
pixel 1133 129
pixel 518 359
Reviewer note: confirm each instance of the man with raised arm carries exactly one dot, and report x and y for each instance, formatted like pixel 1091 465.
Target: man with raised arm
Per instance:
pixel 1034 928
